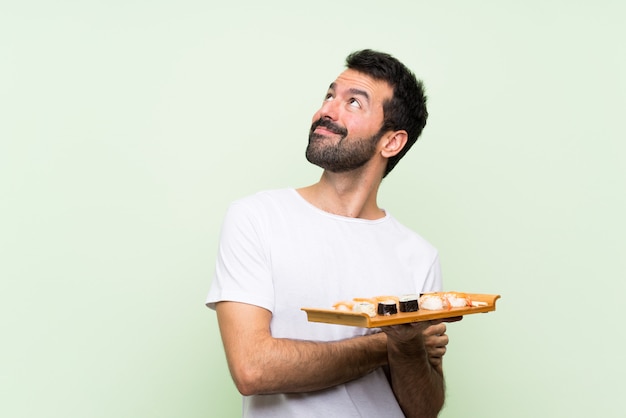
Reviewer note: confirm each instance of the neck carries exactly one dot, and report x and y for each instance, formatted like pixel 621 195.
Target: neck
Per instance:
pixel 351 194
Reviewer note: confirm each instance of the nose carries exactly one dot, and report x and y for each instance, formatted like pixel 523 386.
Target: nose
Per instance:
pixel 329 110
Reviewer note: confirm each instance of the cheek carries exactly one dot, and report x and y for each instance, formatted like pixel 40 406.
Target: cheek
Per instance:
pixel 360 128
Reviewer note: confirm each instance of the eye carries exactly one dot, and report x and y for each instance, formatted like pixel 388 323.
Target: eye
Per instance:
pixel 354 103
pixel 329 96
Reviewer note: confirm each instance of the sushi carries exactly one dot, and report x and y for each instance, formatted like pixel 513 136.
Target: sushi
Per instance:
pixel 408 303
pixel 365 307
pixel 387 307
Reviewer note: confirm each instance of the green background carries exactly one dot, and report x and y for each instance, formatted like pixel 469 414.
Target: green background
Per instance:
pixel 126 128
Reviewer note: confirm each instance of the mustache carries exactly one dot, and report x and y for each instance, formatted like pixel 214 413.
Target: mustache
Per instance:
pixel 333 127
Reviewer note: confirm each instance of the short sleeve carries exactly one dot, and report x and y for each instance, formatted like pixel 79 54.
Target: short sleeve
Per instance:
pixel 433 282
pixel 242 269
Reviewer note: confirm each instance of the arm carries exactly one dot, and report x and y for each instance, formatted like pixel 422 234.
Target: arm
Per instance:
pixel 415 354
pixel 261 364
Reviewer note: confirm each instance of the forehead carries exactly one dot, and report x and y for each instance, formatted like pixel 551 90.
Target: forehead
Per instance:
pixel 376 90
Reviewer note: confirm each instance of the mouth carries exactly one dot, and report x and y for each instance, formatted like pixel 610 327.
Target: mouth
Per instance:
pixel 324 127
pixel 320 130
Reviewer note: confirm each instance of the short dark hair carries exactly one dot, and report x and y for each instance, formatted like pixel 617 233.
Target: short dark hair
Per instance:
pixel 407 108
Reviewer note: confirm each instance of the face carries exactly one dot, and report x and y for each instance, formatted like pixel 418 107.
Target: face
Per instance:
pixel 347 128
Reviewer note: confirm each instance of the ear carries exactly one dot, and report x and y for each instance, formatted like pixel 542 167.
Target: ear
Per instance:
pixel 393 143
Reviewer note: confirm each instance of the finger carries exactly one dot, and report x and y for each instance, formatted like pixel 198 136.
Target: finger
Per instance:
pixel 453 319
pixel 434 343
pixel 435 361
pixel 437 352
pixel 437 329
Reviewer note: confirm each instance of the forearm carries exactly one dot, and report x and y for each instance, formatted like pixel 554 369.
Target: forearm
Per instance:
pixel 286 366
pixel 416 383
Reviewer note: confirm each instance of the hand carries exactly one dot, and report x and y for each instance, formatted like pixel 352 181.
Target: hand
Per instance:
pixel 415 353
pixel 436 340
pixel 419 337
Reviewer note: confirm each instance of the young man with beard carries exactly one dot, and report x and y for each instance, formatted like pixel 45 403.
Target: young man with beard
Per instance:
pixel 282 250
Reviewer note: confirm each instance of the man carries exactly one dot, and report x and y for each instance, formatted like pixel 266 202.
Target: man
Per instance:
pixel 282 250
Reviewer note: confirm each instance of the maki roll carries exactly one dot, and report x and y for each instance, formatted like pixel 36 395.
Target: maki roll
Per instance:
pixel 408 303
pixel 387 307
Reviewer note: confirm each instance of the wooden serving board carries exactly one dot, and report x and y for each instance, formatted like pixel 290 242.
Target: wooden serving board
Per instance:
pixel 363 320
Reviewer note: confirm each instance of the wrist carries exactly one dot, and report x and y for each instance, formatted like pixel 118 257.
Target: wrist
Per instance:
pixel 408 349
pixel 378 348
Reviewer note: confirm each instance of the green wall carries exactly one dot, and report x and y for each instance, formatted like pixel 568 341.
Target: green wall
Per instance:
pixel 126 128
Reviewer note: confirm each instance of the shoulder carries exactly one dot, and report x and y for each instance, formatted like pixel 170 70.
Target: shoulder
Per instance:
pixel 266 197
pixel 410 235
pixel 264 200
pixel 262 205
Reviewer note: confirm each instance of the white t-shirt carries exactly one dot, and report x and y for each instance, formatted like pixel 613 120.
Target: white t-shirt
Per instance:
pixel 279 252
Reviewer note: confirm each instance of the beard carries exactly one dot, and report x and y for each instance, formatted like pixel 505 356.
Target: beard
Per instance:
pixel 344 155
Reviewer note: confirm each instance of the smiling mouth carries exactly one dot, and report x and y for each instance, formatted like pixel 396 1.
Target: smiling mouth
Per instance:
pixel 320 130
pixel 324 127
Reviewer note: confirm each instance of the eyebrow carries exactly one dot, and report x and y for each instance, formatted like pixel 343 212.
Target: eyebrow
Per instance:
pixel 353 91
